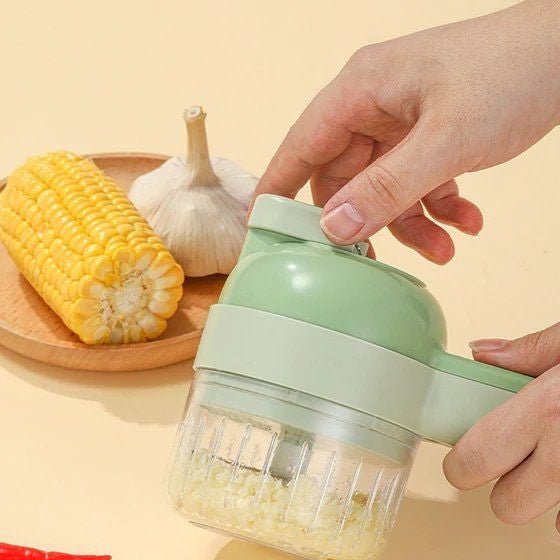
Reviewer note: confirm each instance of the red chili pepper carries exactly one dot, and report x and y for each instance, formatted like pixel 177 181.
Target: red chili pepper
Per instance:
pixel 13 552
pixel 62 556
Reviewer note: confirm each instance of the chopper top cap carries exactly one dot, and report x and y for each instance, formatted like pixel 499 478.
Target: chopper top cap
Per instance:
pixel 298 220
pixel 300 313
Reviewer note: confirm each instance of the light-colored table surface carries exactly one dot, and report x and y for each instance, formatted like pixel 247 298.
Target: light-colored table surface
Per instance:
pixel 82 455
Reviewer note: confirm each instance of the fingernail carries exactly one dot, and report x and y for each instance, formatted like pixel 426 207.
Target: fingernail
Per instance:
pixel 342 223
pixel 488 344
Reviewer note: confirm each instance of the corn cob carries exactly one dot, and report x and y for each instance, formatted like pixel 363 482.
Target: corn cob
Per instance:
pixel 85 249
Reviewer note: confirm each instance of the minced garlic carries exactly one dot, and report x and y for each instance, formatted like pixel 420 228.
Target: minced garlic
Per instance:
pixel 248 504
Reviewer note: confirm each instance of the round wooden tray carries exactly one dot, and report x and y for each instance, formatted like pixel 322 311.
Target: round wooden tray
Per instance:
pixel 28 326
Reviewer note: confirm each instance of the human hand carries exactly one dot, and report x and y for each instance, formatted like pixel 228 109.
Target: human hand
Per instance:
pixel 519 442
pixel 407 115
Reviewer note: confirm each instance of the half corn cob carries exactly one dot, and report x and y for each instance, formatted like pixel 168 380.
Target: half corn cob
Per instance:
pixel 83 246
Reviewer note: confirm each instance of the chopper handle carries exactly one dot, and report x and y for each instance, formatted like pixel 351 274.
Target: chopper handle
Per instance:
pixel 481 372
pixel 462 393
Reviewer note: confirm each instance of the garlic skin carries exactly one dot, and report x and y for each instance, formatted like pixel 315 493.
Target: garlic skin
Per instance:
pixel 197 205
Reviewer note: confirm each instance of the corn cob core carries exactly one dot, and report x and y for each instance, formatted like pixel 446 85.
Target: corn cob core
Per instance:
pixel 83 246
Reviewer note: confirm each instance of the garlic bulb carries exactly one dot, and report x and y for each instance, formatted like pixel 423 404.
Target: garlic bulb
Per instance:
pixel 198 205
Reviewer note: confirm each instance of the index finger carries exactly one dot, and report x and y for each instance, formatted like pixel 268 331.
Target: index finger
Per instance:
pixel 498 443
pixel 316 138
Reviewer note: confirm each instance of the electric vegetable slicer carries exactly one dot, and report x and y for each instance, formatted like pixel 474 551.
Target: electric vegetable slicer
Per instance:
pixel 318 374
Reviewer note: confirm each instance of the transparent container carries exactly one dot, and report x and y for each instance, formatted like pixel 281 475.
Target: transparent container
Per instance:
pixel 289 470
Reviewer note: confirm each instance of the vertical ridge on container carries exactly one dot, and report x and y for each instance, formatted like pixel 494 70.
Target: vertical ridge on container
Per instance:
pixel 389 490
pixel 265 473
pixel 323 489
pixel 295 480
pixel 216 442
pixel 192 448
pixel 348 499
pixel 374 490
pixel 237 462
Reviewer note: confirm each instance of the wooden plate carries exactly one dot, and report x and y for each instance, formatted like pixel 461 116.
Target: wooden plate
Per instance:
pixel 28 326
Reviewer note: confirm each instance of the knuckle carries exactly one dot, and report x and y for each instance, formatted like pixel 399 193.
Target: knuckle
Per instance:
pixel 332 179
pixel 535 346
pixel 360 56
pixel 299 154
pixel 384 190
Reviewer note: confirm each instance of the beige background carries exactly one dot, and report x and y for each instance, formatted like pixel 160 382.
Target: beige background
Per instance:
pixel 82 455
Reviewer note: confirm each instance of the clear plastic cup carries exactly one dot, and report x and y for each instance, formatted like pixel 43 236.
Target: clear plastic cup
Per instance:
pixel 288 470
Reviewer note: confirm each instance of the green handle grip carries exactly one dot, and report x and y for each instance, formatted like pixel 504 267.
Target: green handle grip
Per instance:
pixel 481 373
pixel 463 391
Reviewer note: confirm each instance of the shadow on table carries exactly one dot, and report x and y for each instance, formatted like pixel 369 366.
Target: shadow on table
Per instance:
pixel 431 530
pixel 155 396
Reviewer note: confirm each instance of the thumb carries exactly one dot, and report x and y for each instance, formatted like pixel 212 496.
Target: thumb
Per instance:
pixel 391 184
pixel 532 354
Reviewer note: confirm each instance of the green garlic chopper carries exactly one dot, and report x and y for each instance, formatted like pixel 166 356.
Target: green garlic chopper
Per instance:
pixel 318 373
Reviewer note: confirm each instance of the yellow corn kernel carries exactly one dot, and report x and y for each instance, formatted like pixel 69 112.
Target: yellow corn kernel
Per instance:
pixel 153 325
pixel 124 229
pixel 160 265
pixel 170 294
pixel 91 249
pixel 145 254
pixel 170 279
pixel 100 267
pixel 163 309
pixel 89 287
pixel 134 334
